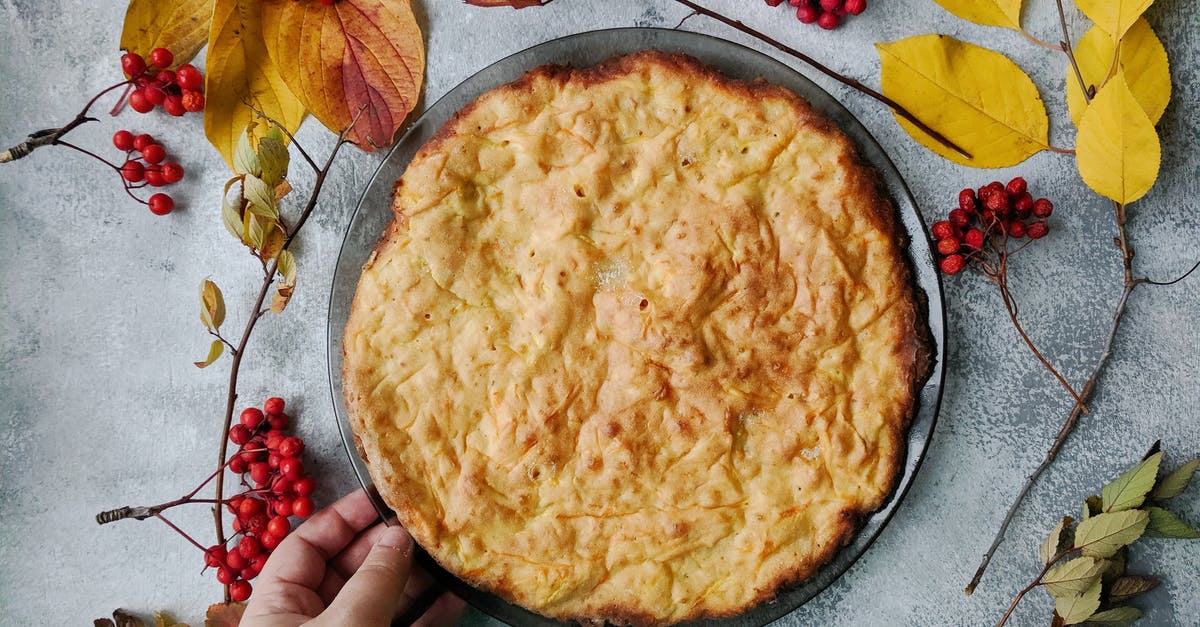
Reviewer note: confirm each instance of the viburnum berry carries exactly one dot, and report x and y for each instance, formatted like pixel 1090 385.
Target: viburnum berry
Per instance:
pixel 303 506
pixel 974 239
pixel 174 105
pixel 235 561
pixel 238 464
pixel 949 245
pixel 260 472
pixel 1017 186
pixel 807 14
pixel 214 556
pixel 161 58
pixel 239 434
pixel 270 541
pixel 188 77
pixel 193 101
pixel 251 417
pixel 249 547
pixel 138 102
pixel 161 204
pixel 154 176
pixel 952 264
pixel 830 5
pixel 278 421
pixel 165 77
pixel 240 590
pixel 291 447
pixel 133 171
pixel 966 200
pixel 855 7
pixel 1024 205
pixel 154 94
pixel 1042 208
pixel 1037 230
pixel 959 218
pixel 141 141
pixel 123 140
pixel 291 467
pixel 172 172
pixel 942 230
pixel 997 200
pixel 828 20
pixel 279 526
pixel 283 507
pixel 153 153
pixel 1016 228
pixel 226 575
pixel 249 572
pixel 273 405
pixel 305 486
pixel 133 64
pixel 774 3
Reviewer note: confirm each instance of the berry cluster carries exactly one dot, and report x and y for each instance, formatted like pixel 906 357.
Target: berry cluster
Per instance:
pixel 148 167
pixel 269 462
pixel 827 14
pixel 154 85
pixel 986 220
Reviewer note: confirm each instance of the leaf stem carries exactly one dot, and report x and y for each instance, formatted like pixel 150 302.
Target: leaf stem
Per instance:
pixel 1036 41
pixel 1037 581
pixel 816 65
pixel 1061 151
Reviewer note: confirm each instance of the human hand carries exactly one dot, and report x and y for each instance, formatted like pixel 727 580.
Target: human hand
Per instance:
pixel 340 568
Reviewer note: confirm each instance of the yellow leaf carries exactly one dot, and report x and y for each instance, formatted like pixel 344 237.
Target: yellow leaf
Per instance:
pixel 977 98
pixel 346 56
pixel 1143 58
pixel 239 71
pixel 1114 16
pixel 1116 148
pixel 1005 13
pixel 180 26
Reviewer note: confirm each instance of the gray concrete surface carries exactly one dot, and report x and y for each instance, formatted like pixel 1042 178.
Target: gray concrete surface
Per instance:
pixel 100 405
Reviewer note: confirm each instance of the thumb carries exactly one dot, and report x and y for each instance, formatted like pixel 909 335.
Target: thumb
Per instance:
pixel 370 596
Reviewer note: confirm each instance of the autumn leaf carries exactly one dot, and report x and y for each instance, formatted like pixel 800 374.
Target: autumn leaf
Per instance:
pixel 1117 149
pixel 516 4
pixel 352 54
pixel 1129 490
pixel 1143 59
pixel 1176 481
pixel 1053 542
pixel 224 614
pixel 180 26
pixel 1114 16
pixel 1116 616
pixel 240 74
pixel 1164 524
pixel 1005 13
pixel 1073 577
pixel 1075 609
pixel 1126 588
pixel 1001 121
pixel 214 353
pixel 212 305
pixel 1104 534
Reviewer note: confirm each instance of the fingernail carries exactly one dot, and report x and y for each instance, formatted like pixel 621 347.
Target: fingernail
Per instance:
pixel 397 538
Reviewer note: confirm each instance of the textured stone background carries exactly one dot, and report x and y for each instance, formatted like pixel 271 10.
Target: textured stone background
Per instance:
pixel 100 405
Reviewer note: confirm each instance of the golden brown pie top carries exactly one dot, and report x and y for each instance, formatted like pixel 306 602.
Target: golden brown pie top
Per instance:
pixel 640 344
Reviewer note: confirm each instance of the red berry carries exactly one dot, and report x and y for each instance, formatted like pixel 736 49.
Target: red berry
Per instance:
pixel 974 239
pixel 258 562
pixel 133 64
pixel 291 447
pixel 996 185
pixel 251 417
pixel 774 3
pixel 123 140
pixel 1043 208
pixel 278 421
pixel 154 176
pixel 214 556
pixel 161 57
pixel 1037 230
pixel 154 94
pixel 1017 186
pixel 828 20
pixel 138 102
pixel 257 523
pixel 273 459
pixel 249 507
pixel 172 172
pixel 249 572
pixel 165 77
pixel 953 264
pixel 141 141
pixel 161 204
pixel 807 14
pixel 235 560
pixel 942 230
pixel 153 154
pixel 193 101
pixel 240 591
pixel 948 246
pixel 303 506
pixel 188 77
pixel 270 540
pixel 282 486
pixel 239 434
pixel 292 468
pixel 283 507
pixel 274 405
pixel 855 7
pixel 260 472
pixel 304 486
pixel 238 465
pixel 133 171
pixel 1024 205
pixel 274 439
pixel 174 105
pixel 225 575
pixel 997 201
pixel 1016 228
pixel 966 200
pixel 959 218
pixel 249 547
pixel 830 5
pixel 279 526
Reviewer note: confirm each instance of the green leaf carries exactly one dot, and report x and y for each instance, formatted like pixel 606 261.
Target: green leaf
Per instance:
pixel 261 197
pixel 1129 586
pixel 1130 489
pixel 1076 608
pixel 1164 524
pixel 212 305
pixel 1102 535
pixel 214 353
pixel 1116 616
pixel 287 266
pixel 245 158
pixel 273 157
pixel 1073 577
pixel 1175 483
pixel 1091 507
pixel 231 211
pixel 1050 546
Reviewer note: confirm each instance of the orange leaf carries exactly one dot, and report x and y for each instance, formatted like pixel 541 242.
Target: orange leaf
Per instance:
pixel 224 614
pixel 343 57
pixel 516 4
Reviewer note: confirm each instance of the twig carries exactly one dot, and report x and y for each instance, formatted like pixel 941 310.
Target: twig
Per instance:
pixel 52 136
pixel 816 65
pixel 1037 581
pixel 1173 281
pixel 1010 305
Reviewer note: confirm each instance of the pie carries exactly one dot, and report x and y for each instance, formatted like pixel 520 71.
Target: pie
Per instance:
pixel 640 345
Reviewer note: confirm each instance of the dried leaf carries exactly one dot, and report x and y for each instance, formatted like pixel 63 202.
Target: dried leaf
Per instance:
pixel 163 619
pixel 1102 535
pixel 349 55
pixel 1050 546
pixel 1000 121
pixel 1116 616
pixel 1114 566
pixel 1114 16
pixel 180 26
pixel 1130 489
pixel 1076 608
pixel 272 241
pixel 1005 13
pixel 1118 152
pixel 245 157
pixel 283 294
pixel 1128 587
pixel 1073 577
pixel 516 4
pixel 286 265
pixel 1057 621
pixel 239 71
pixel 212 305
pixel 1175 483
pixel 224 614
pixel 125 619
pixel 1143 59
pixel 214 353
pixel 231 215
pixel 282 189
pixel 103 622
pixel 273 158
pixel 261 197
pixel 1164 524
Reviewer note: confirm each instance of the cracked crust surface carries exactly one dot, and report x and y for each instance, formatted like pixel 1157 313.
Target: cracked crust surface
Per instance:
pixel 640 344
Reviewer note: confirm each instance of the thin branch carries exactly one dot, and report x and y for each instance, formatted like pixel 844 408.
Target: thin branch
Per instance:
pixel 292 138
pixel 1172 282
pixel 1037 581
pixel 1061 151
pixel 1036 41
pixel 180 532
pixel 1011 307
pixel 845 80
pixel 52 136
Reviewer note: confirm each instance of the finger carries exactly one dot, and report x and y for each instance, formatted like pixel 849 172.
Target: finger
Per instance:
pixel 371 595
pixel 444 612
pixel 301 557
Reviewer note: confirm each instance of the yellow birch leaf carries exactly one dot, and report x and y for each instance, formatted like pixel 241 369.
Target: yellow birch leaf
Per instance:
pixel 976 97
pixel 1114 16
pixel 240 71
pixel 1004 13
pixel 349 55
pixel 1143 58
pixel 1116 148
pixel 180 26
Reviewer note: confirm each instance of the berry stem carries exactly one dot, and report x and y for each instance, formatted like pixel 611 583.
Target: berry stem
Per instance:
pixel 1061 151
pixel 53 136
pixel 816 65
pixel 89 153
pixel 180 531
pixel 1010 305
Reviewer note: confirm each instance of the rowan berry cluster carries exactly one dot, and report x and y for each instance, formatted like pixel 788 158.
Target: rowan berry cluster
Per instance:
pixel 155 85
pixel 146 164
pixel 985 221
pixel 277 488
pixel 827 14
